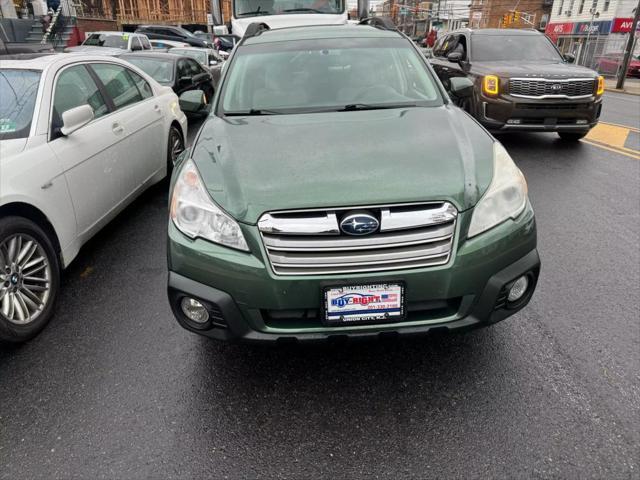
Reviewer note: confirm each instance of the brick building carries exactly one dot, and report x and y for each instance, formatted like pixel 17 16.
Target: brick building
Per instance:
pixel 490 13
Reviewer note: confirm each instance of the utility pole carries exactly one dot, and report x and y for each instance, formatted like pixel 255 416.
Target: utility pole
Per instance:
pixel 629 50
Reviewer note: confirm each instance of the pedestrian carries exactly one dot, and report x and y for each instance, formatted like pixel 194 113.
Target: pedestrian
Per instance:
pixel 432 37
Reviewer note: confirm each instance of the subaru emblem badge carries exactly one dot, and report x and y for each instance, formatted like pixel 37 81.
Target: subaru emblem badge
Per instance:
pixel 359 223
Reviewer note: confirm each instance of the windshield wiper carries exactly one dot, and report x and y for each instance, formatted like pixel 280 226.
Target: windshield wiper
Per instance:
pixel 253 112
pixel 364 106
pixel 314 10
pixel 255 12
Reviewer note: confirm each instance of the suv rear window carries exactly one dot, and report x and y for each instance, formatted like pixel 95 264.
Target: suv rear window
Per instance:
pixel 18 89
pixel 112 41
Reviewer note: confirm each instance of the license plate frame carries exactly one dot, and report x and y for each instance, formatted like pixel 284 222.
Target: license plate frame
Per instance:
pixel 388 311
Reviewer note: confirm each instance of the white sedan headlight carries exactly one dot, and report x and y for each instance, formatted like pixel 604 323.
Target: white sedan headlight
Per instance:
pixel 506 196
pixel 194 213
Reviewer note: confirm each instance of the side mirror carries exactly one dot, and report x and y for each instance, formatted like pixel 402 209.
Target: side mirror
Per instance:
pixel 461 87
pixel 75 119
pixel 569 57
pixel 192 101
pixel 454 57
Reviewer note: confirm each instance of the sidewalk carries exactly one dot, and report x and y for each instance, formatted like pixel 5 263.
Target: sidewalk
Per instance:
pixel 631 85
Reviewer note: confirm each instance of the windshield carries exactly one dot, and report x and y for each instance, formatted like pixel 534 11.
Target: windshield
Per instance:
pixel 18 89
pixel 248 8
pixel 160 70
pixel 197 55
pixel 499 48
pixel 308 77
pixel 112 41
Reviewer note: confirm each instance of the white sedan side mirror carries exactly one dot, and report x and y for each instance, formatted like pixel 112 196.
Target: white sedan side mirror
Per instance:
pixel 76 118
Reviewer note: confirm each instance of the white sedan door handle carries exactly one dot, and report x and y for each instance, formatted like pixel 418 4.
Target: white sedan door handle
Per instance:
pixel 117 128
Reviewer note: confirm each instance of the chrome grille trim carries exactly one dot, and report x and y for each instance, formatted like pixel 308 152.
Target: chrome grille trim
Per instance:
pixel 410 236
pixel 541 88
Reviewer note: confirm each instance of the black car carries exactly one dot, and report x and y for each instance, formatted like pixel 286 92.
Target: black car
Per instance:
pixel 521 81
pixel 166 32
pixel 178 72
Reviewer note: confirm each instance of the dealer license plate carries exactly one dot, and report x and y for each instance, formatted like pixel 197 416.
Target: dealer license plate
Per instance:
pixel 354 304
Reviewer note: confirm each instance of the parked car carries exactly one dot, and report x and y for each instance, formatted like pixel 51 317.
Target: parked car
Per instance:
pixel 177 34
pixel 24 48
pixel 111 43
pixel 521 81
pixel 181 73
pixel 207 57
pixel 288 221
pixel 223 43
pixel 610 64
pixel 167 44
pixel 81 136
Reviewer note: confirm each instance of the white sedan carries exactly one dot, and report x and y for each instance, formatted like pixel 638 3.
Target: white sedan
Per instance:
pixel 81 136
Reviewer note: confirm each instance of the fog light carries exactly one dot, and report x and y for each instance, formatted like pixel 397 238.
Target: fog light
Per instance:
pixel 194 310
pixel 581 122
pixel 518 289
pixel 514 121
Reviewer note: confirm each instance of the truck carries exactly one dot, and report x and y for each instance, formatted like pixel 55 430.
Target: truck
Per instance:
pixel 285 13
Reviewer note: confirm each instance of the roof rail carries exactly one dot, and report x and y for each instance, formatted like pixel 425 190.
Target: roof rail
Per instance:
pixel 256 28
pixel 384 23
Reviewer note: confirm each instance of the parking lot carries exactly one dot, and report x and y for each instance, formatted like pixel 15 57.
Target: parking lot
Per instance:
pixel 114 388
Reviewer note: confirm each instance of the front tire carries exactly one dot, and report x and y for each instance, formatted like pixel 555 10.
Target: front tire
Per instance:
pixel 29 279
pixel 174 148
pixel 572 136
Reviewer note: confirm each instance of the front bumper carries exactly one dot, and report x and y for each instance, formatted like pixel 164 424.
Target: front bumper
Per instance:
pixel 246 301
pixel 508 113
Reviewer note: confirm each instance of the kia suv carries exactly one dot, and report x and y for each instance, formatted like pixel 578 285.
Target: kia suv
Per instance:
pixel 521 81
pixel 337 191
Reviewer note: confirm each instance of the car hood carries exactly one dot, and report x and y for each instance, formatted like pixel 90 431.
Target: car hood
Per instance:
pixel 96 50
pixel 11 147
pixel 534 69
pixel 287 20
pixel 251 165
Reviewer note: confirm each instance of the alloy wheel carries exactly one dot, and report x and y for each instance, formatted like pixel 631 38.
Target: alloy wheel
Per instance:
pixel 25 279
pixel 176 145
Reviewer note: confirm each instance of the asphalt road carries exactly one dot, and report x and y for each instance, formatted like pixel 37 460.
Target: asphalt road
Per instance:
pixel 114 388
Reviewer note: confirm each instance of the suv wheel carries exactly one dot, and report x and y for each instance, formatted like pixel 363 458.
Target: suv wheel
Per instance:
pixel 572 136
pixel 29 279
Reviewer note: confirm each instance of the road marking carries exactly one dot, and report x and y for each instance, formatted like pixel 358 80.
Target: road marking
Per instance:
pixel 621 152
pixel 612 137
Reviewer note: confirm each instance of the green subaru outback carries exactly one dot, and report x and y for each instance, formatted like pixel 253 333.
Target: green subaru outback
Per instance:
pixel 336 191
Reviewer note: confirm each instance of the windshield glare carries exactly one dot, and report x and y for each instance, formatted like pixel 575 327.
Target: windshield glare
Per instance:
pixel 283 7
pixel 500 48
pixel 160 70
pixel 112 41
pixel 302 76
pixel 199 56
pixel 18 89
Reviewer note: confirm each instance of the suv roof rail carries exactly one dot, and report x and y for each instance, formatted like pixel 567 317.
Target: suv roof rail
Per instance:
pixel 384 23
pixel 256 28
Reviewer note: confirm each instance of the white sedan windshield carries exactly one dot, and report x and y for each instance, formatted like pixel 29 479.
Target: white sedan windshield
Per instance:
pixel 18 90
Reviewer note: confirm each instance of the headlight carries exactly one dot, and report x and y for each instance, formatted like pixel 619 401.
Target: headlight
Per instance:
pixel 600 86
pixel 194 213
pixel 490 84
pixel 506 196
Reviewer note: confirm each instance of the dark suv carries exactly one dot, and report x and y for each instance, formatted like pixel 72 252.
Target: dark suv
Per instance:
pixel 521 81
pixel 178 34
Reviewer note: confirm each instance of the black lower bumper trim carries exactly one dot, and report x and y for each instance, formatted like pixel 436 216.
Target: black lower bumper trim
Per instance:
pixel 481 313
